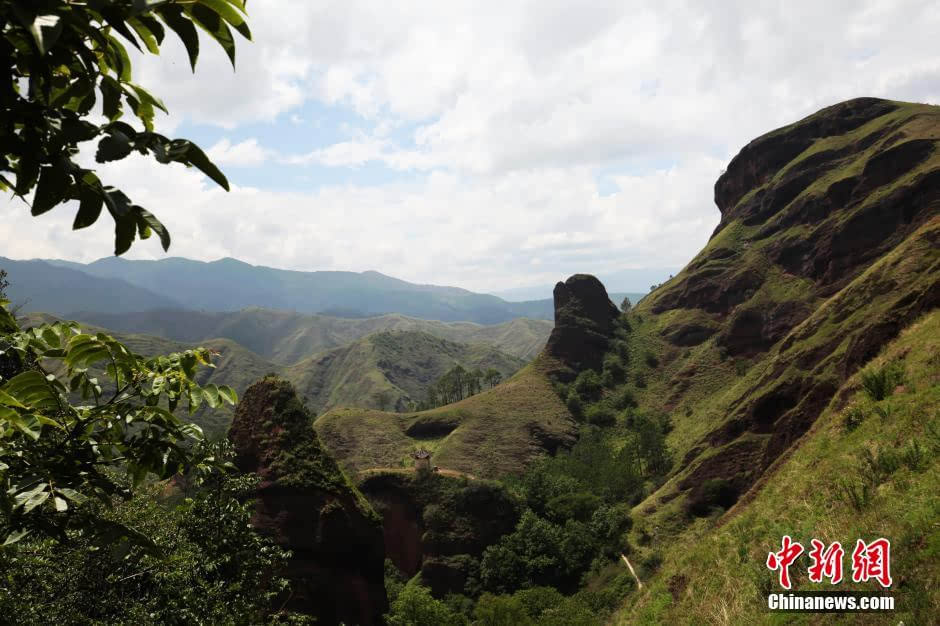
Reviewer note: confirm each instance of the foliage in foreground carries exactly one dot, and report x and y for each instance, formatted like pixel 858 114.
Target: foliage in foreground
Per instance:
pixel 56 455
pixel 63 58
pixel 204 564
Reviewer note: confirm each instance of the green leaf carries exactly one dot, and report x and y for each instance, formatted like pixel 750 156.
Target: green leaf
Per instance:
pixel 54 181
pixel 29 500
pixel 228 394
pixel 111 93
pixel 210 22
pixel 146 35
pixel 60 504
pixel 44 29
pixel 149 219
pixel 72 495
pixel 113 147
pixel 184 28
pixel 27 169
pixel 211 393
pixel 89 209
pixel 195 156
pixel 230 15
pixel 8 400
pixel 32 389
pixel 122 61
pixel 125 231
pixel 15 536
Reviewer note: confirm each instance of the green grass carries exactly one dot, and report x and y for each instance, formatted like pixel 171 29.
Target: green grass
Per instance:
pixel 891 465
pixel 493 433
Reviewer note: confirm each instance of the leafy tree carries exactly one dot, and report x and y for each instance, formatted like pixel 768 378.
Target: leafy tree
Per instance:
pixel 501 611
pixel 207 565
pixel 626 305
pixel 4 283
pixel 64 61
pixel 492 377
pixel 55 455
pixel 415 606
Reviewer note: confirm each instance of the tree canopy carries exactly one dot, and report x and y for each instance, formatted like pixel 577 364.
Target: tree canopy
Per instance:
pixel 67 80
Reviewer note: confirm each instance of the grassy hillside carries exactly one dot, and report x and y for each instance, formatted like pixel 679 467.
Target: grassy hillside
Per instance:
pixel 493 433
pixel 868 468
pixel 400 364
pixel 288 337
pixel 827 250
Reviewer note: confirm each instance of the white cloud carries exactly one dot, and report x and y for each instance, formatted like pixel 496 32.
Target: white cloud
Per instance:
pixel 243 154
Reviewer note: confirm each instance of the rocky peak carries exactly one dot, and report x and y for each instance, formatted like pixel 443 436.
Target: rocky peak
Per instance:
pixel 306 503
pixel 763 157
pixel 584 322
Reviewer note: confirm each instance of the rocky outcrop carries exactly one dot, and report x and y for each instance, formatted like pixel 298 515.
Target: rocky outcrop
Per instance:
pixel 584 322
pixel 827 248
pixel 438 526
pixel 308 506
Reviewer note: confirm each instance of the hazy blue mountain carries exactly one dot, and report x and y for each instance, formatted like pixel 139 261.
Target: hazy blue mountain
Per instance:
pixel 232 285
pixel 61 289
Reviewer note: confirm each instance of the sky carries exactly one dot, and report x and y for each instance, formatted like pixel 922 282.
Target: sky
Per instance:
pixel 488 145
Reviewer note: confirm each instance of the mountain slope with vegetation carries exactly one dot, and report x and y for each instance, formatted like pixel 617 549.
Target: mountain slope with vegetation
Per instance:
pixel 490 434
pixel 750 378
pixel 287 337
pixel 828 248
pixel 867 468
pixel 390 370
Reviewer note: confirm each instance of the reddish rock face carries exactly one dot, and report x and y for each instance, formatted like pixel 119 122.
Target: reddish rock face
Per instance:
pixel 306 504
pixel 832 222
pixel 584 322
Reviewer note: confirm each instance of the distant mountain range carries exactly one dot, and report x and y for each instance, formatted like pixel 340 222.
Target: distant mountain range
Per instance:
pixel 117 285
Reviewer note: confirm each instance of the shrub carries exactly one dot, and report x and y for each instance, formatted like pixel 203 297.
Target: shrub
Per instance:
pixel 588 385
pixel 500 611
pixel 853 417
pixel 651 359
pixel 855 494
pixel 578 506
pixel 574 404
pixel 876 468
pixel 601 415
pixel 622 349
pixel 415 605
pixel 624 399
pixel 879 383
pixel 614 371
pixel 640 381
pixel 713 493
pixel 538 599
pixel 914 456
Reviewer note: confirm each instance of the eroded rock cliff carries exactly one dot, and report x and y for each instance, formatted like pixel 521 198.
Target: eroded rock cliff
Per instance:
pixel 306 503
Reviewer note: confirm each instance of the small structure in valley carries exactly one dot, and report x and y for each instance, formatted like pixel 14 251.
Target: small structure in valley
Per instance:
pixel 422 460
